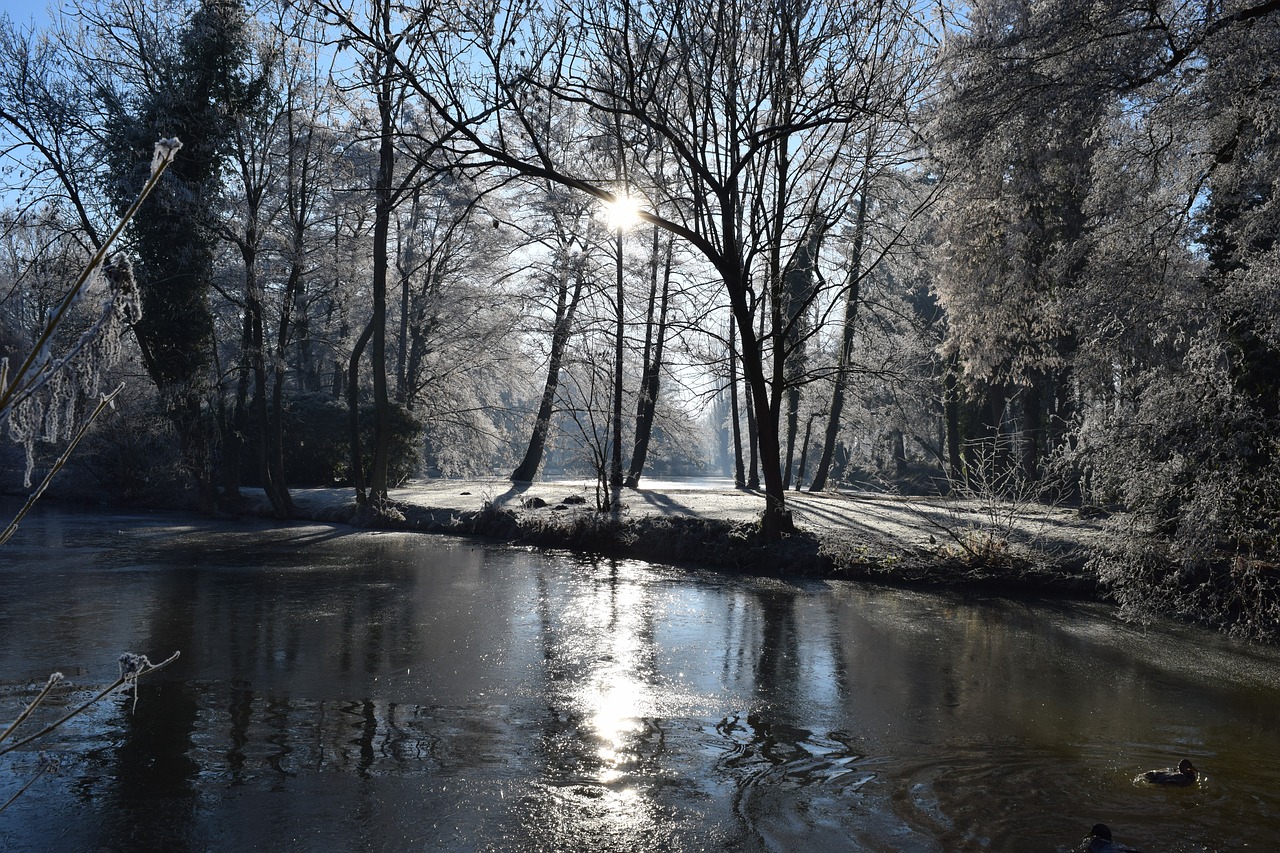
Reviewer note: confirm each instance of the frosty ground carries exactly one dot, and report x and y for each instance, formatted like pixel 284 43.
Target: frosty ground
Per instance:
pixel 886 537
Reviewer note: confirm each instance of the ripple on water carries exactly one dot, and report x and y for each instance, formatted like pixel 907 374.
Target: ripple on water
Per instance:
pixel 799 788
pixel 989 796
pixel 763 752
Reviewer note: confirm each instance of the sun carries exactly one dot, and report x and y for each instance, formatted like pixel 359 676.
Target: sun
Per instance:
pixel 621 213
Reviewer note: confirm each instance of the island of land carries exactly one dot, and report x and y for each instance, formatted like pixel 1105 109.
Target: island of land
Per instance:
pixel 954 542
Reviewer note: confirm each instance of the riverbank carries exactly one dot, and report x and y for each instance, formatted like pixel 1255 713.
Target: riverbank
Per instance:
pixel 988 545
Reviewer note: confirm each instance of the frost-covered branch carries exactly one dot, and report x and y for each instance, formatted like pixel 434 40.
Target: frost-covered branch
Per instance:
pixel 132 667
pixel 40 399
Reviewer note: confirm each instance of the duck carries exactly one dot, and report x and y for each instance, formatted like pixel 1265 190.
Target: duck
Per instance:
pixel 1184 774
pixel 1099 841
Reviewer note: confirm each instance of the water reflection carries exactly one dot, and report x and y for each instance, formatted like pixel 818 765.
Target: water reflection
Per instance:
pixel 397 692
pixel 605 729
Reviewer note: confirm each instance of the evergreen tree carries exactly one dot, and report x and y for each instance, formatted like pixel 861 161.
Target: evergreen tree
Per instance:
pixel 196 96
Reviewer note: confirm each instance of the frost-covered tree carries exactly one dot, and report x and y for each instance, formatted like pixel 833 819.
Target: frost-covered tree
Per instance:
pixel 50 385
pixel 1017 157
pixel 457 320
pixel 744 100
pixel 1169 264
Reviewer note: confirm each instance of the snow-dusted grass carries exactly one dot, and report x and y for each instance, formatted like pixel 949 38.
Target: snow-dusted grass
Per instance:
pixel 885 537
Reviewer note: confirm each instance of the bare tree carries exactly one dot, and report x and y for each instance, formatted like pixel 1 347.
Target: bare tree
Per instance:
pixel 47 128
pixel 389 36
pixel 567 279
pixel 655 339
pixel 745 101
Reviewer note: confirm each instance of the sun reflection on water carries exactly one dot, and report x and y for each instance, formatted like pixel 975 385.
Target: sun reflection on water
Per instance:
pixel 620 688
pixel 618 693
pixel 613 719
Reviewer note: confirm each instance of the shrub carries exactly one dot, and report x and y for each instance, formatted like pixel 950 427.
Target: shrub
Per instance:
pixel 316 448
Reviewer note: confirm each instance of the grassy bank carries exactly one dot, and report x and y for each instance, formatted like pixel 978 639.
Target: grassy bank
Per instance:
pixel 697 537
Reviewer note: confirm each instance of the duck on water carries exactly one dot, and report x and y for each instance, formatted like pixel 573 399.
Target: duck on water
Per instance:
pixel 1184 774
pixel 1099 841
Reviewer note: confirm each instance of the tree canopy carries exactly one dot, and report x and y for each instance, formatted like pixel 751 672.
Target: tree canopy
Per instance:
pixel 890 245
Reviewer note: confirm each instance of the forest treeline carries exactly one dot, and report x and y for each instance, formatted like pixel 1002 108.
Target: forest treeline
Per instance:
pixel 1014 246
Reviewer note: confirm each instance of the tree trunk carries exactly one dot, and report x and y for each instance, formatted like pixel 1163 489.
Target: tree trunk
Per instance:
pixel 724 442
pixel 566 307
pixel 1062 423
pixel 405 266
pixel 898 451
pixel 654 338
pixel 353 415
pixel 292 289
pixel 308 370
pixel 255 344
pixel 798 293
pixel 338 387
pixel 951 416
pixel 804 452
pixel 852 301
pixel 298 195
pixel 991 461
pixel 615 462
pixel 1032 438
pixel 233 440
pixel 193 443
pixel 793 429
pixel 381 228
pixel 776 520
pixel 836 409
pixel 753 438
pixel 260 411
pixel 739 475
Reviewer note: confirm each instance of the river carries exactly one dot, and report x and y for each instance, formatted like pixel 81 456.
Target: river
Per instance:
pixel 347 690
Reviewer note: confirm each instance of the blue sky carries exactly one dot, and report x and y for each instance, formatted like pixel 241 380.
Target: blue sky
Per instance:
pixel 26 11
